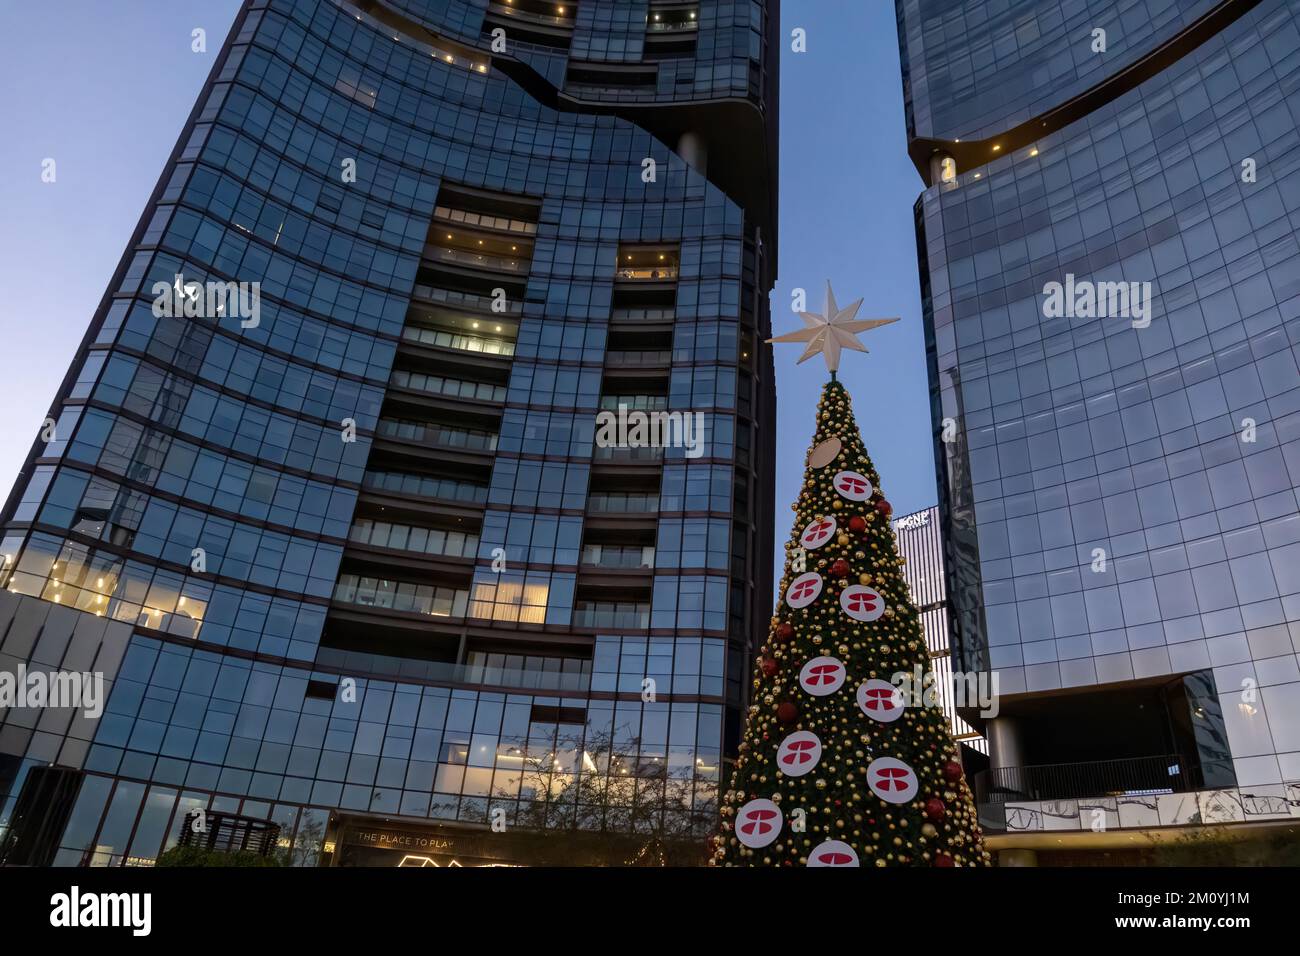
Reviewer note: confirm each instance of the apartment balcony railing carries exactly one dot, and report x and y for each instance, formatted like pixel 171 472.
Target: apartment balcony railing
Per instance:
pixel 670 26
pixel 656 274
pixel 403 537
pixel 440 436
pixel 354 662
pixel 623 503
pixel 475 260
pixel 1168 773
pixel 556 21
pixel 611 615
pixel 458 340
pixel 622 358
pixel 460 217
pixel 389 595
pixel 425 486
pixel 622 453
pixel 463 300
pixel 640 403
pixel 620 557
pixel 454 387
pixel 644 315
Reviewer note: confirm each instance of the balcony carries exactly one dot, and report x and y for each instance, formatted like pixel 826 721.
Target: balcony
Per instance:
pixel 424 486
pixel 624 454
pixel 437 436
pixel 562 18
pixel 477 260
pixel 441 385
pixel 402 537
pixel 647 274
pixel 477 220
pixel 610 615
pixel 674 21
pixel 460 341
pixel 647 264
pixel 638 358
pixel 1135 776
pixel 618 557
pixel 635 314
pixel 612 502
pixel 496 670
pixel 640 403
pixel 404 596
pixel 463 300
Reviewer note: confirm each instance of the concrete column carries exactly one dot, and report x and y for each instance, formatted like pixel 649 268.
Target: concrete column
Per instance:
pixel 691 148
pixel 1017 858
pixel 1005 754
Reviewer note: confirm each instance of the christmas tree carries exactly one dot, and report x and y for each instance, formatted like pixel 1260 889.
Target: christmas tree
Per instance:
pixel 837 767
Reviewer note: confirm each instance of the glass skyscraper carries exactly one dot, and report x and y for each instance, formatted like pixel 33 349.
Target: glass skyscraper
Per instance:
pixel 342 536
pixel 1111 287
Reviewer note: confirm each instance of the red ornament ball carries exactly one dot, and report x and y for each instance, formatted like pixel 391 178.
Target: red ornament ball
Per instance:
pixel 787 712
pixel 942 859
pixel 884 507
pixel 858 523
pixel 952 771
pixel 770 667
pixel 785 632
pixel 840 568
pixel 934 808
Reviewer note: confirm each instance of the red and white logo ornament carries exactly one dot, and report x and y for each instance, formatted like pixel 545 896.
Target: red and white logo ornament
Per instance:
pixel 822 676
pixel 880 700
pixel 862 603
pixel 798 753
pixel 758 823
pixel 804 590
pixel 853 486
pixel 818 533
pixel 892 780
pixel 833 853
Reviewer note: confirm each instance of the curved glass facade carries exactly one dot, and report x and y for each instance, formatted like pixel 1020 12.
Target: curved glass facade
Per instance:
pixel 1119 496
pixel 976 68
pixel 339 505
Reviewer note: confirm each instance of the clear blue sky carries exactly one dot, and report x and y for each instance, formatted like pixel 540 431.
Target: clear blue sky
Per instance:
pixel 103 88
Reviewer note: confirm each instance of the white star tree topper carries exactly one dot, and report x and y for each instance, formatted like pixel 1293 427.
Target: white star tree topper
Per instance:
pixel 828 334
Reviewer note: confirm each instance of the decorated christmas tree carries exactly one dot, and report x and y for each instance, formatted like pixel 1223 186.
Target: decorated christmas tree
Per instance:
pixel 837 766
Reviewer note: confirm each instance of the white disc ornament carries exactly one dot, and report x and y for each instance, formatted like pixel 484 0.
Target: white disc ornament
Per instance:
pixel 818 533
pixel 880 700
pixel 822 676
pixel 799 753
pixel 833 853
pixel 892 780
pixel 853 486
pixel 758 823
pixel 804 590
pixel 825 453
pixel 862 603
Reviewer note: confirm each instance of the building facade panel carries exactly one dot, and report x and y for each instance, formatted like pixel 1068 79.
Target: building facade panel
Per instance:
pixel 373 555
pixel 1118 480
